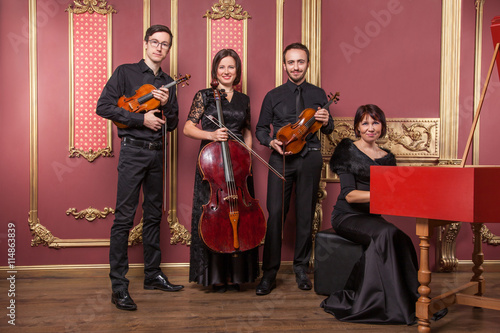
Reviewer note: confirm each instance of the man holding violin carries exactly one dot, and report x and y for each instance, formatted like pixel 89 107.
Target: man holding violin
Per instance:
pixel 282 106
pixel 140 163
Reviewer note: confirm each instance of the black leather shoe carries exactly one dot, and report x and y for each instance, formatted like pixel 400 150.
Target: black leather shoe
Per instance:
pixel 303 280
pixel 123 301
pixel 265 286
pixel 161 282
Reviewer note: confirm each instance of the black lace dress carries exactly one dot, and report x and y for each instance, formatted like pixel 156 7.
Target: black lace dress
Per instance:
pixel 207 267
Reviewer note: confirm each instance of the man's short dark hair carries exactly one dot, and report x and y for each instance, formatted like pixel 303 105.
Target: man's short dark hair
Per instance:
pixel 158 28
pixel 298 46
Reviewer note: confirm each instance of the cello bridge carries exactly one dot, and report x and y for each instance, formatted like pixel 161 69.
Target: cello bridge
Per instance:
pixel 231 197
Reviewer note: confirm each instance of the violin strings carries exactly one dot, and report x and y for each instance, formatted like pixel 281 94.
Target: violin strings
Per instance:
pixel 218 124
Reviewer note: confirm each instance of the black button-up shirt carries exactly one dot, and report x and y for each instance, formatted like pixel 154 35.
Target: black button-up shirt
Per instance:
pixel 278 109
pixel 125 80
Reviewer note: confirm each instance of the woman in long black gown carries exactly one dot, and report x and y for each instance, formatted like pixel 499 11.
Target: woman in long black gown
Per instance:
pixel 222 271
pixel 382 287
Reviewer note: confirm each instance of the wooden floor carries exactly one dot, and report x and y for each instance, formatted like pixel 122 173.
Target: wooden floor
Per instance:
pixel 79 301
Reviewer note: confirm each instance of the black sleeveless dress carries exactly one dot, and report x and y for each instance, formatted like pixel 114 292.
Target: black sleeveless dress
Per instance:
pixel 207 267
pixel 382 287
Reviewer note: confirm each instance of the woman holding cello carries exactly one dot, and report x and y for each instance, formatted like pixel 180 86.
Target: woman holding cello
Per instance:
pixel 224 271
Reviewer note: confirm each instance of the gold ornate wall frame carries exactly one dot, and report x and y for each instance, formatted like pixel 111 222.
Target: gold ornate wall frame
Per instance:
pixel 90 214
pixel 90 136
pixel 414 141
pixel 179 233
pixel 41 235
pixel 311 37
pixel 279 43
pixel 229 11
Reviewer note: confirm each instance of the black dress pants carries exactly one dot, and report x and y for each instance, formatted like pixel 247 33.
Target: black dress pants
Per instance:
pixel 304 172
pixel 136 167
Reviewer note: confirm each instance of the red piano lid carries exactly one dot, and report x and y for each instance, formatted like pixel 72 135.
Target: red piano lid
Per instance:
pixel 495 34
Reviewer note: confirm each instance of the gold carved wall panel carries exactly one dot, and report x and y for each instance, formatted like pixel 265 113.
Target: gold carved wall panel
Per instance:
pixel 227 28
pixel 414 141
pixel 90 67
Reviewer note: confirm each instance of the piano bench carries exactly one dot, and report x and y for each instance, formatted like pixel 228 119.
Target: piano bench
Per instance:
pixel 334 258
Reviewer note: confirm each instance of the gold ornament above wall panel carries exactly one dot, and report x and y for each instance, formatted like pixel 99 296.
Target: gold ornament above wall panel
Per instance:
pixel 227 33
pixel 227 9
pixel 90 66
pixel 90 214
pixel 414 141
pixel 91 6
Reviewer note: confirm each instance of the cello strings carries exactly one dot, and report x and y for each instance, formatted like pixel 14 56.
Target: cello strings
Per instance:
pixel 217 123
pixel 230 182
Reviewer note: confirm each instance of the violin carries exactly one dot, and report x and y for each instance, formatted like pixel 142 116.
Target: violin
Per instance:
pixel 143 99
pixel 231 221
pixel 293 136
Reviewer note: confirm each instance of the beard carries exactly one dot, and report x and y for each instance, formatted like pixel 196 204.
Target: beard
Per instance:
pixel 296 79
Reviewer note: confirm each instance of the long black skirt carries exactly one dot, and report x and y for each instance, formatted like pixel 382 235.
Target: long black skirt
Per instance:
pixel 383 285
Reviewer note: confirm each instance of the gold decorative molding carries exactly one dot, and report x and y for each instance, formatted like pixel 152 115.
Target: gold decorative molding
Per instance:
pixel 179 233
pixel 488 237
pixel 242 53
pixel 227 9
pixel 318 217
pixel 414 141
pixel 279 42
pixel 41 235
pixel 90 155
pixel 146 20
pixel 90 214
pixel 478 53
pixel 450 79
pixel 311 37
pixel 446 246
pixel 135 235
pixel 90 6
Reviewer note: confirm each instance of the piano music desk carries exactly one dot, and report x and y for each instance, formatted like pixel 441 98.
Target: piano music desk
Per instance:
pixel 438 196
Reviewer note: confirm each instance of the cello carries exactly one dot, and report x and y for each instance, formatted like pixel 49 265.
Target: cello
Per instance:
pixel 232 220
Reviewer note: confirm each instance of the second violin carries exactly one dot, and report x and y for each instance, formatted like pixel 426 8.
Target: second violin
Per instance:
pixel 293 136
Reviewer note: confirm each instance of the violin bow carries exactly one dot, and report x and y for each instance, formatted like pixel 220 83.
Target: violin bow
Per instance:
pixel 233 136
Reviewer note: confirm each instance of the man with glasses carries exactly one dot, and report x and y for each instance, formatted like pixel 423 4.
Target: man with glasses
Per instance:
pixel 140 163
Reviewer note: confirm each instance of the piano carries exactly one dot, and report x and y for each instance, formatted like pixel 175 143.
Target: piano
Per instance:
pixel 438 196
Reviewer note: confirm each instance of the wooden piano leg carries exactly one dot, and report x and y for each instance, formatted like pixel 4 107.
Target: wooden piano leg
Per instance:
pixel 478 258
pixel 424 276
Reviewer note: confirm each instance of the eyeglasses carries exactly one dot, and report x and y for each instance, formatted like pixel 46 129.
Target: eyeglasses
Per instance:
pixel 155 43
